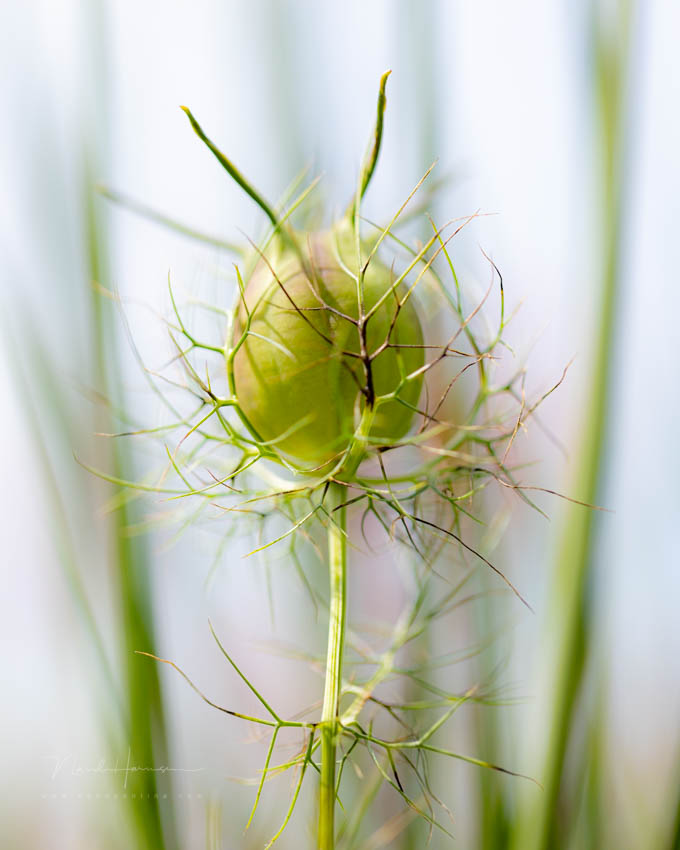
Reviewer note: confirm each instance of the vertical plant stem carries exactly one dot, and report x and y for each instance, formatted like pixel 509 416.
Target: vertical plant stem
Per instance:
pixel 419 58
pixel 545 823
pixel 674 843
pixel 143 722
pixel 337 570
pixel 143 734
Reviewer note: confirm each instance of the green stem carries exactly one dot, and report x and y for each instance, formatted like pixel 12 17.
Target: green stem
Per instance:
pixel 570 602
pixel 337 569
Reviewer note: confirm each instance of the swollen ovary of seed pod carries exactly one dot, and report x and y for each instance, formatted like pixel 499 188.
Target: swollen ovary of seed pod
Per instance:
pixel 296 377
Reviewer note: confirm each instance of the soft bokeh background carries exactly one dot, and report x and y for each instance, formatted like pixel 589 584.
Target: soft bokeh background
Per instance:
pixel 519 104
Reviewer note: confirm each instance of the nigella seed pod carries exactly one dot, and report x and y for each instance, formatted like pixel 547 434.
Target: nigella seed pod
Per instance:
pixel 325 359
pixel 321 341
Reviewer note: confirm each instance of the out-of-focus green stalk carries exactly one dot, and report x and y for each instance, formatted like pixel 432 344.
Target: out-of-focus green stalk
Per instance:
pixel 416 75
pixel 143 722
pixel 143 719
pixel 675 834
pixel 278 22
pixel 35 379
pixel 569 603
pixel 493 826
pixel 592 767
pixel 672 838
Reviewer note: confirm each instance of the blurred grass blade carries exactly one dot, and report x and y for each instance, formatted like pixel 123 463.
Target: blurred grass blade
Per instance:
pixel 417 76
pixel 145 724
pixel 37 376
pixel 143 720
pixel 163 220
pixel 569 602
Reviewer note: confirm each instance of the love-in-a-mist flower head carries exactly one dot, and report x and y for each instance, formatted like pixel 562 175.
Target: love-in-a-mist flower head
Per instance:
pixel 334 385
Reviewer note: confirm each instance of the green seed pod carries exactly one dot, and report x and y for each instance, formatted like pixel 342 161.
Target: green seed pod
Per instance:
pixel 305 369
